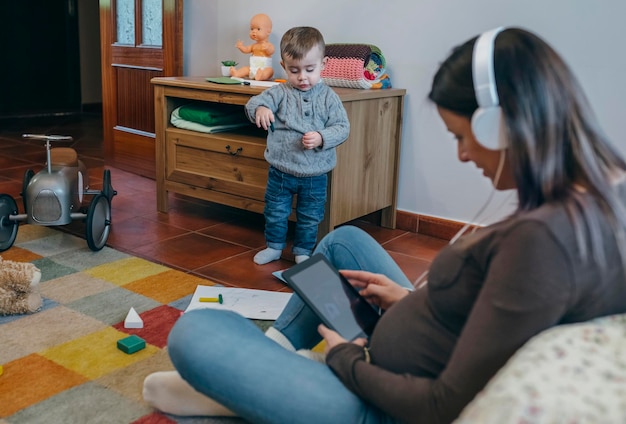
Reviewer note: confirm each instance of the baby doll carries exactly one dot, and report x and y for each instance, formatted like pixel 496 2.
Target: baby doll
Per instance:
pixel 18 288
pixel 260 68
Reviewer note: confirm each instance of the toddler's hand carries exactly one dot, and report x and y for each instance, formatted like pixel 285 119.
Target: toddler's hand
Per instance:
pixel 264 117
pixel 311 140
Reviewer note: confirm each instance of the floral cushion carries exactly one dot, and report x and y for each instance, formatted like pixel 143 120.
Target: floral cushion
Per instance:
pixel 570 374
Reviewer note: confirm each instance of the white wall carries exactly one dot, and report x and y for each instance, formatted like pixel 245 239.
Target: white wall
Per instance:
pixel 415 36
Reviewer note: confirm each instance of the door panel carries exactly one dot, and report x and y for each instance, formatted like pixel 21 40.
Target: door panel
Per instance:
pixel 128 66
pixel 135 99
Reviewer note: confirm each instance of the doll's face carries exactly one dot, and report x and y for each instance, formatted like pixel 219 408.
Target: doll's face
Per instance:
pixel 306 72
pixel 260 28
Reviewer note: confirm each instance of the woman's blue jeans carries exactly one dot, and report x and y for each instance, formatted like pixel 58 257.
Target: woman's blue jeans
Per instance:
pixel 227 357
pixel 311 201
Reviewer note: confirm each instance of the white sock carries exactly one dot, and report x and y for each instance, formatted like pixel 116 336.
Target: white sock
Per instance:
pixel 301 258
pixel 278 337
pixel 267 255
pixel 168 392
pixel 312 355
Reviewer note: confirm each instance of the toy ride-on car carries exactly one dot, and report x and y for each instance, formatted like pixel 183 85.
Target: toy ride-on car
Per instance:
pixel 54 196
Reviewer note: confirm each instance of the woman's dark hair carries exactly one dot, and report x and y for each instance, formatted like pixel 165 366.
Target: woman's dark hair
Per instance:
pixel 556 148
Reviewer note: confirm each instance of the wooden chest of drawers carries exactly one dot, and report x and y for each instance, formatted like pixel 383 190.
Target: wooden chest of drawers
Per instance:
pixel 229 167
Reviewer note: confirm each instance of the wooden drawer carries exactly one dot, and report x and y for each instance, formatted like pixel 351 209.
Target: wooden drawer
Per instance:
pixel 245 143
pixel 225 162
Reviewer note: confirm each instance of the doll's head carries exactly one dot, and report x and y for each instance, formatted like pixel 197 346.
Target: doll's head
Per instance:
pixel 260 27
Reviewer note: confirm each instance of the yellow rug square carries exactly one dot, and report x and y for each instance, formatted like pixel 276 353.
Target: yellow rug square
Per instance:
pixel 124 271
pixel 320 347
pixel 96 354
pixel 167 286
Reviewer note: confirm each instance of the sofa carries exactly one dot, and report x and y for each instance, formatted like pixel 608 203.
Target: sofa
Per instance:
pixel 574 374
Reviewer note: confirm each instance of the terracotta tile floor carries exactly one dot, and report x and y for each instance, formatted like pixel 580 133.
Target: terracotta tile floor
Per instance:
pixel 199 237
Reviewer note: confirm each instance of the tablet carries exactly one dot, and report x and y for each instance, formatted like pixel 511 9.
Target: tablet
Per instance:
pixel 338 305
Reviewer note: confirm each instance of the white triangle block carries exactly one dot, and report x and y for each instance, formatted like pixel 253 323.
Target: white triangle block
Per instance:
pixel 133 320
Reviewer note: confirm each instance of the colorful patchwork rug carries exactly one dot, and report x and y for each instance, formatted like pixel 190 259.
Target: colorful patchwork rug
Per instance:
pixel 62 364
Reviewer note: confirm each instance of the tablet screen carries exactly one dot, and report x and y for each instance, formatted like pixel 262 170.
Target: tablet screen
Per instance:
pixel 332 297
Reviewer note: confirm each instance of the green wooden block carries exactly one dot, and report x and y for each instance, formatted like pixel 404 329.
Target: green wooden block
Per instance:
pixel 131 344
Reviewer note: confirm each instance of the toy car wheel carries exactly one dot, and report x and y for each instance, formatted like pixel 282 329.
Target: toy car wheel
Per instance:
pixel 28 175
pixel 98 222
pixel 8 228
pixel 107 188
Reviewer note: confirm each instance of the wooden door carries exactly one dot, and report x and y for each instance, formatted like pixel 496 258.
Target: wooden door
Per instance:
pixel 138 42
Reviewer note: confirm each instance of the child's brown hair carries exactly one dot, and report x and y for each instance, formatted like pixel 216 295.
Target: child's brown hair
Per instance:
pixel 298 41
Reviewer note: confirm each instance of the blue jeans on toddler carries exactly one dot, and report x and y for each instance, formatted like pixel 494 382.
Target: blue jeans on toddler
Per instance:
pixel 311 201
pixel 227 357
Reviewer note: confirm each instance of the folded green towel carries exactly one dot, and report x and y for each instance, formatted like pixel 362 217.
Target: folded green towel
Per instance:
pixel 178 122
pixel 213 114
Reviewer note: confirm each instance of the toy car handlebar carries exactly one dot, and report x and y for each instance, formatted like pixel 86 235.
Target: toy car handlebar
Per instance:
pixel 48 137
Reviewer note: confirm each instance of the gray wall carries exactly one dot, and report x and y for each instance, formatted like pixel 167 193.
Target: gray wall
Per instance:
pixel 414 37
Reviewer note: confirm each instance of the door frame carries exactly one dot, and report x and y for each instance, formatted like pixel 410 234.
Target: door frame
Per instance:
pixel 127 148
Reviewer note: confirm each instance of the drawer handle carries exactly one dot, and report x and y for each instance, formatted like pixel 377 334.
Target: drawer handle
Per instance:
pixel 235 153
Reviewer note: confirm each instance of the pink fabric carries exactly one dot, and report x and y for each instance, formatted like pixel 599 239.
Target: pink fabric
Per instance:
pixel 346 68
pixel 355 66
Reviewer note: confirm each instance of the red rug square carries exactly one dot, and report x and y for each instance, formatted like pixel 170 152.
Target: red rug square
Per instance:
pixel 157 324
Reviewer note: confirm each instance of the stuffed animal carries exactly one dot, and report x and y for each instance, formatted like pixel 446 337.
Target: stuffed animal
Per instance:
pixel 19 293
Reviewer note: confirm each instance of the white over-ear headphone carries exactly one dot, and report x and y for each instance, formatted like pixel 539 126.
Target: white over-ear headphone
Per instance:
pixel 487 121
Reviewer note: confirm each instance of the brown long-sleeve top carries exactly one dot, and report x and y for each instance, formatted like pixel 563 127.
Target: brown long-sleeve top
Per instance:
pixel 487 294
